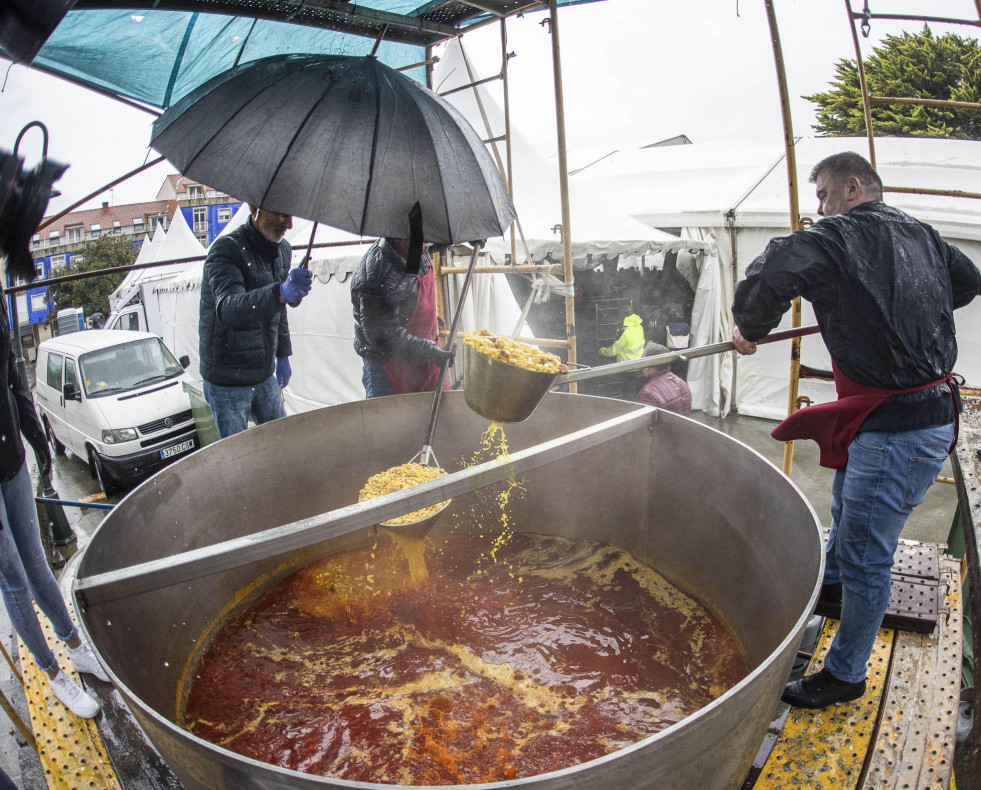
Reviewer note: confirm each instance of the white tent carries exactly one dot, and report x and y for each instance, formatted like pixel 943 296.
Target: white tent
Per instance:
pixel 597 229
pixel 737 194
pixel 175 244
pixel 598 226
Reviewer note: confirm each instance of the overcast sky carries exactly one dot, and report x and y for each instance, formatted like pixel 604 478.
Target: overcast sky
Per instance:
pixel 634 72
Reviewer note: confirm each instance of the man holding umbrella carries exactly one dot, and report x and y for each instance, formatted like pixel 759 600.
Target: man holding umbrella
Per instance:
pixel 395 326
pixel 245 336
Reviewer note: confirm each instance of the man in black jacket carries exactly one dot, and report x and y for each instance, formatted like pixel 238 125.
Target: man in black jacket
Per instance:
pixel 884 289
pixel 244 333
pixel 395 325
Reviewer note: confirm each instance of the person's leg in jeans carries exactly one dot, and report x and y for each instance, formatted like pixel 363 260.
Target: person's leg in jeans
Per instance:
pixel 25 575
pixel 375 379
pixel 831 574
pixel 231 407
pixel 267 401
pixel 887 475
pixel 24 572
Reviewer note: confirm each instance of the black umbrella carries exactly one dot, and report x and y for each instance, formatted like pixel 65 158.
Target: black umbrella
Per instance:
pixel 345 141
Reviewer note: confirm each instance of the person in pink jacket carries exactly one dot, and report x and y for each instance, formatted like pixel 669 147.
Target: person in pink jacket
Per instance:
pixel 662 388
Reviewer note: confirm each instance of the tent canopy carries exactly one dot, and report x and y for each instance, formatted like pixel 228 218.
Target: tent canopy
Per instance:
pixel 177 243
pixel 156 52
pixel 596 228
pixel 697 185
pixel 738 193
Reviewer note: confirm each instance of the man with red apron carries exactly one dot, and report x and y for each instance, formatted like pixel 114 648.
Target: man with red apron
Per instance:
pixel 395 325
pixel 884 288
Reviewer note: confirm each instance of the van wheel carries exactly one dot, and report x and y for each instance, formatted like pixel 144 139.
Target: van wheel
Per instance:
pixel 58 447
pixel 108 485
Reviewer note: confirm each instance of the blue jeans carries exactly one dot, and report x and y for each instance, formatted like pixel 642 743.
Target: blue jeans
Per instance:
pixel 375 379
pixel 232 406
pixel 887 474
pixel 24 572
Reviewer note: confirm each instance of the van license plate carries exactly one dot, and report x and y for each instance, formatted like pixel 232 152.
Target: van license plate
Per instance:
pixel 177 449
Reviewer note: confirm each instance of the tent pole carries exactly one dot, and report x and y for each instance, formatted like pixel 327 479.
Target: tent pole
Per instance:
pixel 788 137
pixel 505 171
pixel 438 273
pixel 570 301
pixel 505 57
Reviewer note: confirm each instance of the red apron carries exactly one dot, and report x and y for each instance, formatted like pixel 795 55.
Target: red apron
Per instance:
pixel 418 378
pixel 834 425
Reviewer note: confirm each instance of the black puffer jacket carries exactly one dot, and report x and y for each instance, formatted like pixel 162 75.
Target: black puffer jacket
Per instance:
pixel 17 413
pixel 884 287
pixel 384 299
pixel 243 324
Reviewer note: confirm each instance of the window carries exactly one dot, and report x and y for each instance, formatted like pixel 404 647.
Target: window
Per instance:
pixel 39 303
pixel 116 226
pixel 54 370
pixel 36 240
pixel 138 223
pixel 200 219
pixel 224 215
pixel 127 366
pixel 158 219
pixel 39 268
pixel 58 261
pixel 71 375
pixel 129 321
pixel 53 238
pixel 95 230
pixel 74 233
pixel 195 191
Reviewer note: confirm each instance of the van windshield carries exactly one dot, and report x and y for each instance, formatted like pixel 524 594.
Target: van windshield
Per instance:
pixel 127 367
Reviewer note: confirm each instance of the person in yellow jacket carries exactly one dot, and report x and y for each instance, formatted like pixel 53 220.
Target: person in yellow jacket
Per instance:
pixel 630 344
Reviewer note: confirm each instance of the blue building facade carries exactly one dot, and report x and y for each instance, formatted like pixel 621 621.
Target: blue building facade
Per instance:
pixel 210 218
pixel 38 304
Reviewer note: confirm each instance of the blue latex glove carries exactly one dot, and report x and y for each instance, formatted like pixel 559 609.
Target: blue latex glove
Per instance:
pixel 296 285
pixel 283 371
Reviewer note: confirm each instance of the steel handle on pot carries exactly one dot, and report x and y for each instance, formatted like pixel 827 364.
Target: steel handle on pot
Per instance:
pixel 681 353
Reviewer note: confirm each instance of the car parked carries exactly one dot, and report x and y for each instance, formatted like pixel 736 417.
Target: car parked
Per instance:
pixel 115 400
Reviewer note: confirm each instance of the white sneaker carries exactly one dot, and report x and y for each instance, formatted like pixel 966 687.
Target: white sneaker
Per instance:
pixel 74 697
pixel 84 660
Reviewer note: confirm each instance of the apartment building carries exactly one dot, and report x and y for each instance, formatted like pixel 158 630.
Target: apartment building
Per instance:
pixel 206 209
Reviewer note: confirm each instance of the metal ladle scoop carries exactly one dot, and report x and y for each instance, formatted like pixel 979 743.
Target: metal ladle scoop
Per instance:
pixel 425 456
pixel 501 392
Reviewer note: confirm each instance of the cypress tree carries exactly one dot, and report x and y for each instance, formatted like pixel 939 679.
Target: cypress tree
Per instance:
pixel 915 66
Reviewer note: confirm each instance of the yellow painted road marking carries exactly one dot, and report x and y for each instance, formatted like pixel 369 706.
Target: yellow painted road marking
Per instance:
pixel 71 749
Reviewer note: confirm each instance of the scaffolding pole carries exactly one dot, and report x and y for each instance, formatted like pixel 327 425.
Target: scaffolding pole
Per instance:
pixel 570 301
pixel 791 158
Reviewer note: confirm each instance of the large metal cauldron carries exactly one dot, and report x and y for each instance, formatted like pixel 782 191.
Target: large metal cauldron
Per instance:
pixel 713 516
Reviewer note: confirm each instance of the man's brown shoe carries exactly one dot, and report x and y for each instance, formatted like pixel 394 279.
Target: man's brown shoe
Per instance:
pixel 820 690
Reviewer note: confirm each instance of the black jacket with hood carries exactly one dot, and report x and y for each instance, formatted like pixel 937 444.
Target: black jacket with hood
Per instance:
pixel 17 415
pixel 884 287
pixel 384 297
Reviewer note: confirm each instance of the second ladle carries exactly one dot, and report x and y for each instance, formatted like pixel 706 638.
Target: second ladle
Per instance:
pixel 501 392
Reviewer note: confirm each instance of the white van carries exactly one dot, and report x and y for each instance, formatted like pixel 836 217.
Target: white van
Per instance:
pixel 114 398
